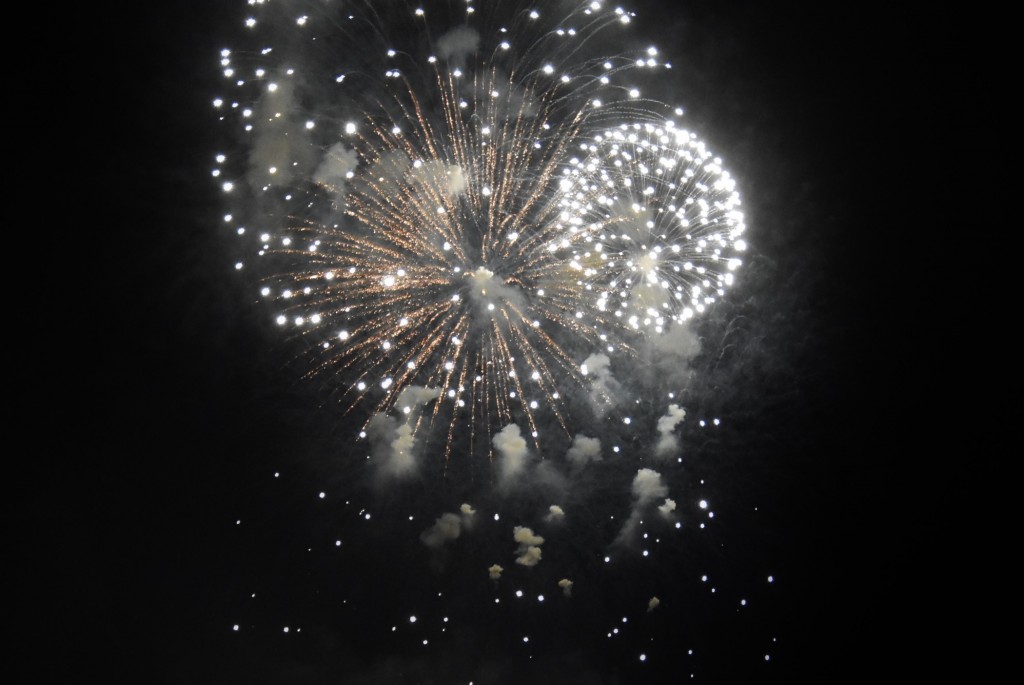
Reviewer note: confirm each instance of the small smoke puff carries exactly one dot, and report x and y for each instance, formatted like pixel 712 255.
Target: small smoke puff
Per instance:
pixel 584 450
pixel 653 604
pixel 668 443
pixel 337 163
pixel 415 396
pixel 566 586
pixel 678 341
pixel 511 448
pixel 555 513
pixel 393 444
pixel 445 529
pixel 529 546
pixel 647 486
pixel 467 510
pixel 458 43
pixel 525 536
pixel 668 507
pixel 530 556
pixel 494 572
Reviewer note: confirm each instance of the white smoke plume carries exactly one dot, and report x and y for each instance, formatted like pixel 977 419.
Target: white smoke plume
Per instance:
pixel 529 546
pixel 494 572
pixel 555 513
pixel 490 293
pixel 437 176
pixel 458 44
pixel 667 508
pixel 647 487
pixel 566 586
pixel 679 341
pixel 583 450
pixel 512 453
pixel 336 167
pixel 653 604
pixel 447 527
pixel 393 441
pixel 668 443
pixel 604 389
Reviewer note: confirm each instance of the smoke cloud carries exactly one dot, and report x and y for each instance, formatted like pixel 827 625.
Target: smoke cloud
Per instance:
pixel 529 546
pixel 604 389
pixel 668 443
pixel 513 455
pixel 336 167
pixel 566 586
pixel 647 487
pixel 447 527
pixel 583 450
pixel 458 44
pixel 393 441
pixel 653 604
pixel 555 513
pixel 494 572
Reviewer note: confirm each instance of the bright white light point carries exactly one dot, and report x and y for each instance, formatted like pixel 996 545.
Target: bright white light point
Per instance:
pixel 228 186
pixel 234 627
pixel 519 593
pixel 767 657
pixel 412 619
pixel 643 657
pixel 367 517
pixel 627 420
pixel 350 128
pixel 548 69
pixel 419 12
pixel 282 320
pixel 218 102
pixel 743 602
pixel 540 598
pixel 703 504
pixel 323 494
pixel 607 560
pixel 496 517
pixel 250 22
pixel 272 87
pixel 534 14
pixel 704 579
pixel 771 579
pixel 238 265
pixel 337 543
pixel 634 93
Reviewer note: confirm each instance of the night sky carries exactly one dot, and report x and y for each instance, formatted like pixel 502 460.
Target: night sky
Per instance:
pixel 844 130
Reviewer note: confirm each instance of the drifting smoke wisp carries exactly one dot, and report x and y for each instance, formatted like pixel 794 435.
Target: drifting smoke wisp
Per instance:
pixel 668 443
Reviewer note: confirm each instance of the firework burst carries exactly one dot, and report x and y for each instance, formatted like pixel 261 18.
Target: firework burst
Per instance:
pixel 430 225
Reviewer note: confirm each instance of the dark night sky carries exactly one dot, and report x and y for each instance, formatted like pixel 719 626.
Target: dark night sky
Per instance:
pixel 839 126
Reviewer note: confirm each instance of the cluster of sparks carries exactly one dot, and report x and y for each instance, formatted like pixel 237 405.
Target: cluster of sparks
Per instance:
pixel 470 220
pixel 499 204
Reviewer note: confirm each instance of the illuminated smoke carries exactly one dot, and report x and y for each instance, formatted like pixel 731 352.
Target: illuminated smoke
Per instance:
pixel 668 443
